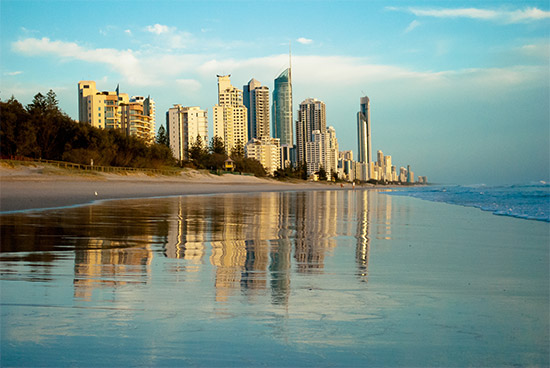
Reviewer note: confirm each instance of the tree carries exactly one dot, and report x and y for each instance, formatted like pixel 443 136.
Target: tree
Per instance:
pixel 51 101
pixel 322 174
pixel 17 136
pixel 217 146
pixel 238 151
pixel 38 104
pixel 197 152
pixel 162 137
pixel 334 175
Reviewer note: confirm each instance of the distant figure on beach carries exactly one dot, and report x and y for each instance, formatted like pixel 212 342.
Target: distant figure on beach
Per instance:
pixel 353 185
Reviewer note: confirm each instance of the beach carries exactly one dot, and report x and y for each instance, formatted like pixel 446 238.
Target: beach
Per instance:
pixel 26 187
pixel 267 274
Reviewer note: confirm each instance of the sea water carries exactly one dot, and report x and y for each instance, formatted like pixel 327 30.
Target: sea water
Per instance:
pixel 527 201
pixel 335 278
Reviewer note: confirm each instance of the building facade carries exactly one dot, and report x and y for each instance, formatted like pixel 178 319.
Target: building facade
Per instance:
pixel 256 100
pixel 322 152
pixel 115 110
pixel 230 115
pixel 184 125
pixel 135 122
pixel 311 117
pixel 282 108
pixel 267 151
pixel 364 132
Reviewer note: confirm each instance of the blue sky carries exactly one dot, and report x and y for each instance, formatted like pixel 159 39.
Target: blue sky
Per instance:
pixel 459 89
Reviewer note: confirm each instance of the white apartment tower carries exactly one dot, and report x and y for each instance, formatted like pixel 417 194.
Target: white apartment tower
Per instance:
pixel 322 152
pixel 311 117
pixel 267 151
pixel 256 100
pixel 230 115
pixel 184 125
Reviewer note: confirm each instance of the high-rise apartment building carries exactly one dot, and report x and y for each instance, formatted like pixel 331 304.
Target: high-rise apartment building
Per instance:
pixel 282 108
pixel 267 151
pixel 311 117
pixel 364 132
pixel 230 115
pixel 135 122
pixel 256 100
pixel 184 126
pixel 148 106
pixel 100 109
pixel 115 110
pixel 322 152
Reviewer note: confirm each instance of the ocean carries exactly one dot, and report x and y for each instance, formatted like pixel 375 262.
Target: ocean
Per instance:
pixel 527 201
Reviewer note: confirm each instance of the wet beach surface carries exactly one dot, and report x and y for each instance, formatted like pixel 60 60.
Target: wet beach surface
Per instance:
pixel 319 278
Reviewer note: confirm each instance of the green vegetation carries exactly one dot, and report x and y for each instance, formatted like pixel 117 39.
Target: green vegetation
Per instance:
pixel 42 130
pixel 214 156
pixel 299 172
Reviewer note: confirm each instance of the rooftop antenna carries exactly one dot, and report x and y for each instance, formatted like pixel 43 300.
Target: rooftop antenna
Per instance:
pixel 290 61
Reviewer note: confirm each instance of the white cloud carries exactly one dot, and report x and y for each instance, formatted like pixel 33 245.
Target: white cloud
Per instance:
pixel 499 15
pixel 191 85
pixel 304 41
pixel 128 32
pixel 412 26
pixel 537 50
pixel 170 36
pixel 123 61
pixel 159 29
pixel 11 74
pixel 319 73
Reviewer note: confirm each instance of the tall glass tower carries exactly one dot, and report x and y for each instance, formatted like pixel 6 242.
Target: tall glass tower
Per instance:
pixel 282 108
pixel 363 131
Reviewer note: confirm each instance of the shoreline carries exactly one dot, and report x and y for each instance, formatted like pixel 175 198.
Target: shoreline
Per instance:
pixel 44 187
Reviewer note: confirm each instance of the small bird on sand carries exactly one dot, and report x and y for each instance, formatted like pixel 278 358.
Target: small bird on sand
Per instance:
pixel 95 193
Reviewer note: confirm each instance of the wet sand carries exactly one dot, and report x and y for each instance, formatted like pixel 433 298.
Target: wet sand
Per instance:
pixel 337 278
pixel 43 187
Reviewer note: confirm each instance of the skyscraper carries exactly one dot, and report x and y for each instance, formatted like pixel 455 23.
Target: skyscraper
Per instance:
pixel 311 117
pixel 230 115
pixel 256 100
pixel 282 108
pixel 363 131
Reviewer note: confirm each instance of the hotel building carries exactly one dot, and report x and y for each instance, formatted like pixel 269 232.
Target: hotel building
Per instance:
pixel 115 110
pixel 256 100
pixel 282 108
pixel 230 115
pixel 282 117
pixel 267 151
pixel 184 125
pixel 311 117
pixel 364 133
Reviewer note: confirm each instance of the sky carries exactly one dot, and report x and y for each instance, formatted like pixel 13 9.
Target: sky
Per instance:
pixel 459 90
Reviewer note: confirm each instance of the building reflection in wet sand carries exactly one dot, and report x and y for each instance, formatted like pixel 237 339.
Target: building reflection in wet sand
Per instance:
pixel 255 239
pixel 255 242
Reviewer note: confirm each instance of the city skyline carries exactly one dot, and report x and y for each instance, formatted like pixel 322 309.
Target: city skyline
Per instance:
pixel 458 92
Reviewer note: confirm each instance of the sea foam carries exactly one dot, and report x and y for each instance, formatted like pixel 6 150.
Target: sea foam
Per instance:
pixel 528 201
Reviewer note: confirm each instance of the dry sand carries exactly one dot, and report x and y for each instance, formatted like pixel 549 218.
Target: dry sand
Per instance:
pixel 25 187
